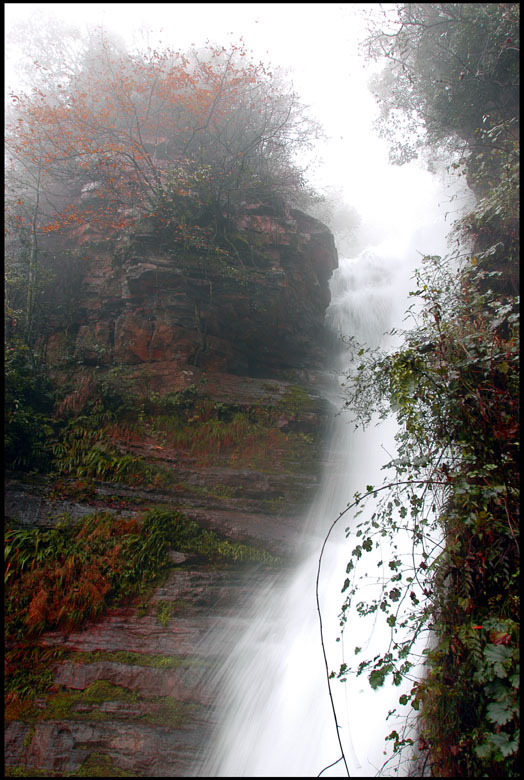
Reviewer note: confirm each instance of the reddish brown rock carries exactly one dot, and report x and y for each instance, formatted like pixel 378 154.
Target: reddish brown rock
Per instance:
pixel 144 679
pixel 259 317
pixel 243 334
pixel 148 751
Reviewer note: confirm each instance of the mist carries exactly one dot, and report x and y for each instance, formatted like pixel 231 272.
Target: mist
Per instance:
pixel 360 195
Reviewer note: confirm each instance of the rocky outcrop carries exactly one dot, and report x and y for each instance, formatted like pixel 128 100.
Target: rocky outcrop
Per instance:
pixel 132 694
pixel 247 331
pixel 258 313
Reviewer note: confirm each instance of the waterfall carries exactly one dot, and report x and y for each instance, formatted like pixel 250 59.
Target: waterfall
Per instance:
pixel 274 716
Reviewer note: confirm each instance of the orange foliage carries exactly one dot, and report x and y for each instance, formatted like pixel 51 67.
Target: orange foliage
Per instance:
pixel 128 129
pixel 38 611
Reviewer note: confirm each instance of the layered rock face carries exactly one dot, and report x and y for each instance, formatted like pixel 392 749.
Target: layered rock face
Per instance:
pixel 148 305
pixel 131 696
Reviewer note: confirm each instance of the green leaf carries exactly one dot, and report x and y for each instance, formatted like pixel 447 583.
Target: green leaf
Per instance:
pixel 483 751
pixel 377 676
pixel 498 655
pixel 499 713
pixel 394 594
pixel 503 743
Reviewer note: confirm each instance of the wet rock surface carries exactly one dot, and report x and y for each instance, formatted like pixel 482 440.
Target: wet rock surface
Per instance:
pixel 139 750
pixel 134 689
pixel 144 305
pixel 132 694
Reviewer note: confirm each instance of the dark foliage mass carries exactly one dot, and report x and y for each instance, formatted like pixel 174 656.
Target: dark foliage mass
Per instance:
pixel 452 75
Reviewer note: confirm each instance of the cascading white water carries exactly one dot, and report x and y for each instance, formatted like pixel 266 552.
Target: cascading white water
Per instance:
pixel 274 716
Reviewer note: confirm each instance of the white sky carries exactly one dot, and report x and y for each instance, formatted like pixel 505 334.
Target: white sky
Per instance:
pixel 317 42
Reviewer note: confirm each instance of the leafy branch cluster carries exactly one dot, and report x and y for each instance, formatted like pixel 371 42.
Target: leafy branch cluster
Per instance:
pixel 126 132
pixel 452 75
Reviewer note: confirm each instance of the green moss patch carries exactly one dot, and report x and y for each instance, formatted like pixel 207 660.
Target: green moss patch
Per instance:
pixel 96 765
pixel 30 771
pixel 101 765
pixel 64 705
pixel 86 705
pixel 135 659
pixel 167 711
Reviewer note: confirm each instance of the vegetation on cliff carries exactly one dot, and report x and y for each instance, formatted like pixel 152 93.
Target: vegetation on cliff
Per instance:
pixel 107 148
pixel 451 76
pixel 108 140
pixel 60 577
pixel 106 145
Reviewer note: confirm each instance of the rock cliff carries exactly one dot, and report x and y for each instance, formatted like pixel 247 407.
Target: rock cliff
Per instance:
pixel 259 314
pixel 219 367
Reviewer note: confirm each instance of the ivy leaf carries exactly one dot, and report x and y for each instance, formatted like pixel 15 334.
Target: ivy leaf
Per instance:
pixel 483 751
pixel 499 713
pixel 395 594
pixel 377 676
pixel 503 743
pixel 498 655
